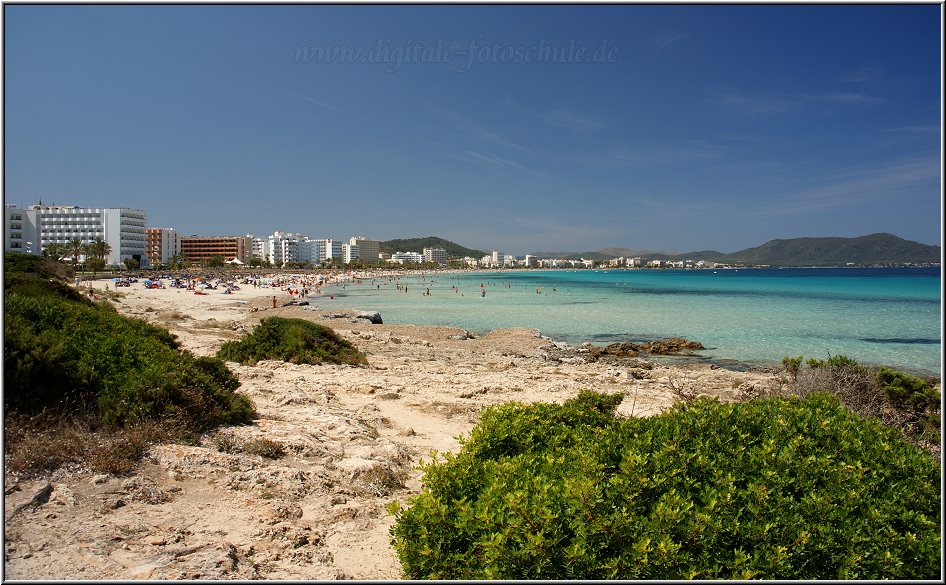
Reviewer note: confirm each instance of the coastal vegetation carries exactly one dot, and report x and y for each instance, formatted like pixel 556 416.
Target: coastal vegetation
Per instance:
pixel 83 384
pixel 292 340
pixel 906 403
pixel 797 488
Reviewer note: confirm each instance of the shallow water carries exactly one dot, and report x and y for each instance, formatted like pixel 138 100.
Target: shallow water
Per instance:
pixel 876 316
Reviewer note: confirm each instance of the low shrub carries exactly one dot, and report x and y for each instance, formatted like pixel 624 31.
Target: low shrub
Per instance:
pixel 917 400
pixel 792 365
pixel 292 340
pixel 896 399
pixel 772 489
pixel 73 364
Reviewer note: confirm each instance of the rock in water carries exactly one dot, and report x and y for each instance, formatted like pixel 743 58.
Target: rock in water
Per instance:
pixel 373 316
pixel 670 346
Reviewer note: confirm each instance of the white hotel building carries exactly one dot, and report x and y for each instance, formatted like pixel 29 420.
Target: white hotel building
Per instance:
pixel 30 230
pixel 438 255
pixel 286 247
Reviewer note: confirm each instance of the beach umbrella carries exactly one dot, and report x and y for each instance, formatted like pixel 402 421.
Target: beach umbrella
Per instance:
pixel 116 279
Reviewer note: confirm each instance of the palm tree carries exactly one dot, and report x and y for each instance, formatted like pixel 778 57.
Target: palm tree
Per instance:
pixel 88 250
pixel 75 248
pixel 176 261
pixel 100 248
pixel 54 250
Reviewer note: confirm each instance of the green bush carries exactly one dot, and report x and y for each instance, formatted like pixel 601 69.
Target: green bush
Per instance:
pixel 66 357
pixel 898 400
pixel 291 340
pixel 908 392
pixel 915 397
pixel 792 365
pixel 773 488
pixel 834 362
pixel 60 355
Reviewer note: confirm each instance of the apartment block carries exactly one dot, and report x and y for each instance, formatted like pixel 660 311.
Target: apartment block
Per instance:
pixel 402 257
pixel 163 244
pixel 350 252
pixel 198 248
pixel 438 255
pixel 21 230
pixel 369 250
pixel 32 230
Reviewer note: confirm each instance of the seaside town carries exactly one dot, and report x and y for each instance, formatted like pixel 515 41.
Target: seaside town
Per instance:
pixel 68 231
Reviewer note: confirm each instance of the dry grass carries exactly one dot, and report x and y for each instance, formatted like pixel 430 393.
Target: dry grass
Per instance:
pixel 227 443
pixel 171 315
pixel 33 445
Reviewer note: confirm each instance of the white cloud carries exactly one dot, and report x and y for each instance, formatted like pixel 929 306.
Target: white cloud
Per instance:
pixel 667 38
pixel 319 103
pixel 861 75
pixel 857 186
pixel 784 102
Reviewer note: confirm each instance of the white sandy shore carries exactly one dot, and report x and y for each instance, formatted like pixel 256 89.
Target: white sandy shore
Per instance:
pixel 353 438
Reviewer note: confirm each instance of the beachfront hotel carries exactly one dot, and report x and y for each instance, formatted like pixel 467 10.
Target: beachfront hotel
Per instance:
pixel 349 253
pixel 438 255
pixel 282 247
pixel 31 230
pixel 163 244
pixel 402 257
pixel 368 250
pixel 20 230
pixel 197 248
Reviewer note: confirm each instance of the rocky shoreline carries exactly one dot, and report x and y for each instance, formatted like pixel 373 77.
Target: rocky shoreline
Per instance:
pixel 343 442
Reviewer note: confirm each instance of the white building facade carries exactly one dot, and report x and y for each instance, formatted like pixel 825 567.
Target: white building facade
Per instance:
pixel 402 257
pixel 369 250
pixel 32 229
pixel 438 255
pixel 21 230
pixel 350 252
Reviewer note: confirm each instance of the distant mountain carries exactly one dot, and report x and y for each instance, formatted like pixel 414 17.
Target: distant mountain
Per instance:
pixel 418 244
pixel 870 249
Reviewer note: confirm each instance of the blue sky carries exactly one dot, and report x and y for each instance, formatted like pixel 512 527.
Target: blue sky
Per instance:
pixel 683 128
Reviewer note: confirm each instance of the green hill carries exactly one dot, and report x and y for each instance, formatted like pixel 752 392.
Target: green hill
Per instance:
pixel 863 250
pixel 870 249
pixel 418 245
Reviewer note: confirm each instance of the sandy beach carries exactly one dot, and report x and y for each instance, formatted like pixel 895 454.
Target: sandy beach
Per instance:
pixel 353 438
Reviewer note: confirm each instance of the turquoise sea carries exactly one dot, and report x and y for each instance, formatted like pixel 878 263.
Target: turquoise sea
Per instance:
pixel 883 316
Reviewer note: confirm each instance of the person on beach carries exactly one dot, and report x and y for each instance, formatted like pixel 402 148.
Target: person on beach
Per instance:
pixel 274 301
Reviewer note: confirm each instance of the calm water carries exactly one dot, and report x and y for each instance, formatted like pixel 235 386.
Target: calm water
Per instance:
pixel 877 316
